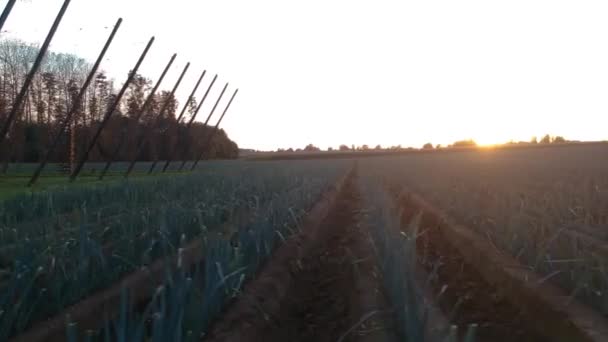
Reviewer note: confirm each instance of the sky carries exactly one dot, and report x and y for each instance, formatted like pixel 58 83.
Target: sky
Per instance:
pixel 333 72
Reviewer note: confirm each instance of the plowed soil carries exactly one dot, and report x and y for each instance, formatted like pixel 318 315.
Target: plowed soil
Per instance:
pixel 324 287
pixel 466 298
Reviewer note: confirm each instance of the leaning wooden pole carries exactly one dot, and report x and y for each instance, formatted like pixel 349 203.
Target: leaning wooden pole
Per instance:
pixel 200 105
pixel 68 118
pixel 181 115
pixel 192 118
pixel 191 97
pixel 111 110
pixel 189 146
pixel 7 11
pixel 137 117
pixel 210 138
pixel 30 76
pixel 156 120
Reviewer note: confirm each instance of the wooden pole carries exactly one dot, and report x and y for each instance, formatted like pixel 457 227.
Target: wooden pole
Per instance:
pixel 7 11
pixel 30 76
pixel 140 113
pixel 189 147
pixel 191 97
pixel 210 138
pixel 75 105
pixel 111 110
pixel 142 140
pixel 198 108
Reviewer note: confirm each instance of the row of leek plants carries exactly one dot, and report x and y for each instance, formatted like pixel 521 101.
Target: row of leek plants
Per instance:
pixel 396 255
pixel 527 204
pixel 29 213
pixel 184 308
pixel 49 274
pixel 93 168
pixel 59 214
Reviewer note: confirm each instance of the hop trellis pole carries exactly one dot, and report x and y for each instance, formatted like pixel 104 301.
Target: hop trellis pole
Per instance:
pixel 4 131
pixel 68 118
pixel 156 121
pixel 191 97
pixel 198 108
pixel 205 146
pixel 217 102
pixel 138 116
pixel 7 11
pixel 111 110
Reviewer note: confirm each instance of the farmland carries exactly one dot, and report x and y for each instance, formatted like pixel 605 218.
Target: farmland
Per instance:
pixel 519 225
pixel 388 184
pixel 17 176
pixel 479 245
pixel 61 246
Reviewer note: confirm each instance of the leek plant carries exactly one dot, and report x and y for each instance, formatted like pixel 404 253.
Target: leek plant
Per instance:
pixel 191 298
pixel 396 254
pixel 528 203
pixel 79 241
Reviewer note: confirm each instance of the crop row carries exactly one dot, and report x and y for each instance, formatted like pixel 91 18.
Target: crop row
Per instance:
pixel 545 208
pixel 406 285
pixel 77 241
pixel 92 168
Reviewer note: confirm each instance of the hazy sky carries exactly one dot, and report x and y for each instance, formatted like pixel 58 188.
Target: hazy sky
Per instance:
pixel 362 72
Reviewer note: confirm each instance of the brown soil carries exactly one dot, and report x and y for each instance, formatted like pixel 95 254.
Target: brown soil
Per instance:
pixel 545 308
pixel 468 298
pixel 320 286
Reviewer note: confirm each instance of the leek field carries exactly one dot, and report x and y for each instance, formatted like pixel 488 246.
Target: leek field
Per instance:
pixel 479 245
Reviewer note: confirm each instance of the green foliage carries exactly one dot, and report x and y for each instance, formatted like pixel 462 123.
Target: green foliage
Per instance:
pixel 395 248
pixel 59 246
pixel 191 298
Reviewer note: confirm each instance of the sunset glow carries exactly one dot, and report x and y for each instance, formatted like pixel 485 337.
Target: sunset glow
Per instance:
pixel 363 72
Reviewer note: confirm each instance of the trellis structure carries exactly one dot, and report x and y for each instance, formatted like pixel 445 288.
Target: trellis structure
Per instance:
pixel 70 113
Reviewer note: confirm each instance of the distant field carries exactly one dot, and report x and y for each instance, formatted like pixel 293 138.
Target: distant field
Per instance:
pixel 18 175
pixel 544 209
pixel 90 168
pixel 12 184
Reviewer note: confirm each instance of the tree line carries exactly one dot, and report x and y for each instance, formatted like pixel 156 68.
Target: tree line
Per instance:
pixel 468 143
pixel 545 140
pixel 56 87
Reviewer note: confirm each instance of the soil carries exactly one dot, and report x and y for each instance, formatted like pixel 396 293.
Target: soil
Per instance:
pixel 327 298
pixel 467 298
pixel 321 286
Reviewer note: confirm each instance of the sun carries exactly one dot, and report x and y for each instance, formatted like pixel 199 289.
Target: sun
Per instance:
pixel 486 143
pixel 489 139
